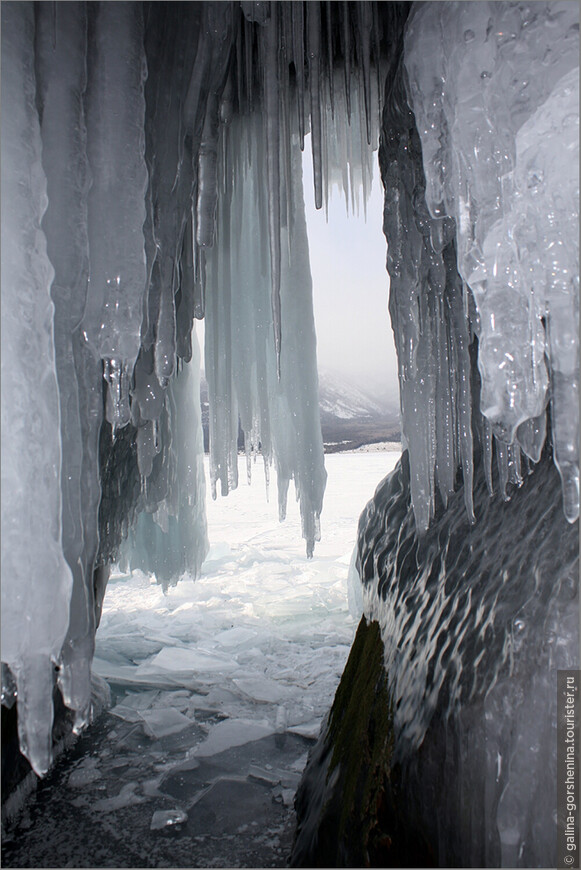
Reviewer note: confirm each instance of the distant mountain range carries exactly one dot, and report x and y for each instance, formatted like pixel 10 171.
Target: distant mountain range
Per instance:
pixel 351 415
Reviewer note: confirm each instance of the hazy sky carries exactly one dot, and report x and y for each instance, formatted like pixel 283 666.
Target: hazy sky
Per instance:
pixel 351 286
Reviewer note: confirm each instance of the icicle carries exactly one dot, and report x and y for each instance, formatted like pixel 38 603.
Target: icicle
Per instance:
pixel 313 48
pixel 380 73
pixel 514 467
pixel 213 66
pixel 147 395
pixel 241 85
pixel 61 44
pixel 200 286
pixel 487 445
pixel 364 23
pixel 186 295
pixel 272 120
pixel 146 451
pixel 461 338
pixel 346 46
pixel 565 425
pixel 36 580
pixel 165 342
pixel 116 205
pixel 117 409
pixel 248 58
pixel 207 180
pixel 223 421
pixel 299 63
pixel 502 465
pixel 286 43
pixel 531 436
pixel 329 15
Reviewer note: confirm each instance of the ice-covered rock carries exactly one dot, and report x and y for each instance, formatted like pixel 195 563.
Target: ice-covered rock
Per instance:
pixel 467 628
pixel 495 91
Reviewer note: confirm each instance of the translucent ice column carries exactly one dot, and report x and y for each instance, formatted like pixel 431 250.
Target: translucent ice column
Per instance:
pixel 61 46
pixel 36 580
pixel 115 106
pixel 170 534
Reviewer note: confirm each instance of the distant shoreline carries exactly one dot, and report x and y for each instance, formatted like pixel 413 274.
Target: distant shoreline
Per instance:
pixel 347 447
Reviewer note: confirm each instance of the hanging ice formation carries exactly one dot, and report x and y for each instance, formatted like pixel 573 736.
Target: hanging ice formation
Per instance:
pixel 150 160
pixel 131 205
pixel 495 92
pixel 275 411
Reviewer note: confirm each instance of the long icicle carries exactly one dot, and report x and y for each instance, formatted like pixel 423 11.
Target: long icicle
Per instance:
pixel 272 115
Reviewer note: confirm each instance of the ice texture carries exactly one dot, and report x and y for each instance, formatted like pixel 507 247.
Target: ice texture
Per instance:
pixel 475 622
pixel 151 176
pixel 36 580
pixel 431 318
pixel 495 92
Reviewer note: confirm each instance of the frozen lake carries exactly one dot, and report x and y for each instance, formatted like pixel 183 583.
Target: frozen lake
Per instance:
pixel 219 688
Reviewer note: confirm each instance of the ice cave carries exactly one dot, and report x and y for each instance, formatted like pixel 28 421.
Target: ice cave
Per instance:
pixel 151 178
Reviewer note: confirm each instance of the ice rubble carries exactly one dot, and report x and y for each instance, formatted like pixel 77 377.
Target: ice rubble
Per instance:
pixel 145 181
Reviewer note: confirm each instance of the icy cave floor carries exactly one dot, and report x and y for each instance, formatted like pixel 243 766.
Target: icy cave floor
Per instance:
pixel 218 687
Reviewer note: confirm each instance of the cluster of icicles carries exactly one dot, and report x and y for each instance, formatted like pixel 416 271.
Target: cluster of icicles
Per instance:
pixel 494 88
pixel 151 175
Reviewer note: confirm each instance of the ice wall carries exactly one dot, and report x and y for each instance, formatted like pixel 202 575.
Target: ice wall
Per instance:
pixel 475 587
pixel 495 92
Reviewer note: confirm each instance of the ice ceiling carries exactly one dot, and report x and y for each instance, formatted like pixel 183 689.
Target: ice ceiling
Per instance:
pixel 151 175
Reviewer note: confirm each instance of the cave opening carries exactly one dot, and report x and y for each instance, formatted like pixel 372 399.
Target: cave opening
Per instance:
pixel 151 177
pixel 265 631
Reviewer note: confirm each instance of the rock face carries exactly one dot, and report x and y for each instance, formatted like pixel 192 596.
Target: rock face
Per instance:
pixel 441 743
pixel 346 804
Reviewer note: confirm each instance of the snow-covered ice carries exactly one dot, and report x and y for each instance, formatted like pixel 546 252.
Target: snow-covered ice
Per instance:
pixel 264 624
pixel 219 689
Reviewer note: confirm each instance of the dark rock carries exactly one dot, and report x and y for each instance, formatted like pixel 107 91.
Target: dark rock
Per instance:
pixel 348 808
